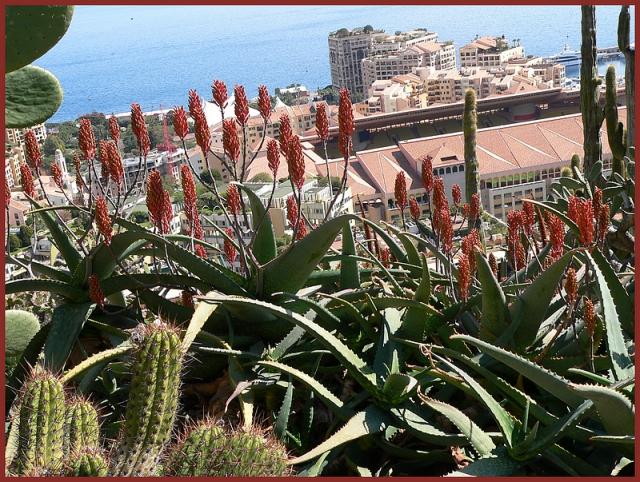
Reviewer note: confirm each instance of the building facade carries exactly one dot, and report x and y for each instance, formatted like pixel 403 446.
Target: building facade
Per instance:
pixel 487 52
pixel 16 136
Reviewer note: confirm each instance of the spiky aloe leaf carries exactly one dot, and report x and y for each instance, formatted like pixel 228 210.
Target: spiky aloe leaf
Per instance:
pixel 426 243
pixel 162 307
pixel 614 409
pixel 622 364
pixel 387 357
pixel 33 94
pixel 264 245
pixel 289 271
pixel 370 421
pixel 32 30
pixel 52 286
pixel 286 343
pixel 531 306
pixel 414 322
pixel 96 359
pixel 200 316
pixel 495 313
pixel 417 422
pixel 615 439
pixel 394 247
pixel 349 271
pixel 505 420
pixel 66 324
pixel 545 379
pixel 50 272
pixel 333 402
pixel 103 259
pixel 480 441
pixel 497 464
pixel 352 362
pixel 282 421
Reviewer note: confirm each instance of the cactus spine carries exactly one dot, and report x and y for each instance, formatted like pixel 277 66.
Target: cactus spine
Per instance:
pixel 87 463
pixel 40 425
pixel 470 125
pixel 592 112
pixel 153 400
pixel 624 31
pixel 615 129
pixel 81 426
pixel 208 450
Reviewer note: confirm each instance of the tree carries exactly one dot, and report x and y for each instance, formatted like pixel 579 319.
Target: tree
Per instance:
pixel 25 234
pixel 261 177
pixel 51 143
pixel 14 242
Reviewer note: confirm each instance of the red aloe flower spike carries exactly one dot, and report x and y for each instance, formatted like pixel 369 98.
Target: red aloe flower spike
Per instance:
pixel 103 220
pixel 345 124
pixel 180 123
pixel 200 251
pixel 95 291
pixel 474 209
pixel 187 299
pixel 114 129
pixel 219 93
pixel 241 106
pixel 556 236
pixel 302 230
pixel 456 194
pixel 439 198
pixel 229 249
pixel 56 172
pixel 322 122
pixel 167 213
pixel 116 169
pixel 597 203
pixel 198 232
pixel 542 228
pixel 493 264
pixel 469 243
pixel 385 257
pixel 520 255
pixel 400 190
pixel 86 139
pixel 230 141
pixel 32 150
pixel 427 174
pixel 189 190
pixel 295 162
pixel 571 286
pixel 464 276
pixel 285 133
pixel 233 200
pixel 264 102
pixel 103 156
pixel 466 209
pixel 572 210
pixel 585 222
pixel 528 217
pixel 273 157
pixel 27 180
pixel 292 211
pixel 414 209
pixel 603 223
pixel 446 230
pixel 589 317
pixel 155 198
pixel 139 128
pixel 202 134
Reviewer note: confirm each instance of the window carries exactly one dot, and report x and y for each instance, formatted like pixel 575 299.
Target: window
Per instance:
pixel 448 170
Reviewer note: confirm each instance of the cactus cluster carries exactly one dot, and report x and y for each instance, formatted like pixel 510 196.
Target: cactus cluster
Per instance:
pixel 59 434
pixel 615 129
pixel 624 44
pixel 19 328
pixel 209 450
pixel 470 126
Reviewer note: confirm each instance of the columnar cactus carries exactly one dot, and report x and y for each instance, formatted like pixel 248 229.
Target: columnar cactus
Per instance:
pixel 592 112
pixel 208 450
pixel 81 426
pixel 624 45
pixel 89 462
pixel 40 425
pixel 615 129
pixel 153 399
pixel 471 169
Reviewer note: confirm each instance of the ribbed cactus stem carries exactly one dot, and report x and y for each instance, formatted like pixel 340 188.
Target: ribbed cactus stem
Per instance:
pixel 575 163
pixel 81 429
pixel 592 112
pixel 87 463
pixel 41 425
pixel 624 44
pixel 615 129
pixel 470 126
pixel 153 400
pixel 207 450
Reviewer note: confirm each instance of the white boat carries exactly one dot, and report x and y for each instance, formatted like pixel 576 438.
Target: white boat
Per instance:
pixel 568 57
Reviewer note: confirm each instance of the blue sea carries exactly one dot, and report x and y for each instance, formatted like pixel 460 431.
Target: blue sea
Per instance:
pixel 115 55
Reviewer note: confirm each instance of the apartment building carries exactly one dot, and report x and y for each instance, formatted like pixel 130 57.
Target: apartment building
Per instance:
pixel 347 48
pixel 435 55
pixel 16 136
pixel 13 157
pixel 394 95
pixel 487 52
pixel 516 161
